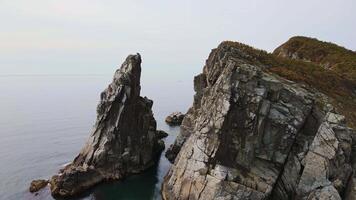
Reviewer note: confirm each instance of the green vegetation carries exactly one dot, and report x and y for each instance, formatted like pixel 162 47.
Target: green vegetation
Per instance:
pixel 329 55
pixel 341 89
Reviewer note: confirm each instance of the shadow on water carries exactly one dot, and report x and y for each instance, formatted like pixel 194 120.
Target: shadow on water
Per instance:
pixel 146 185
pixel 136 186
pixel 142 186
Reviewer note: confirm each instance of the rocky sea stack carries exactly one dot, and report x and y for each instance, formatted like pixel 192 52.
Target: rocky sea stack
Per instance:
pixel 123 141
pixel 253 134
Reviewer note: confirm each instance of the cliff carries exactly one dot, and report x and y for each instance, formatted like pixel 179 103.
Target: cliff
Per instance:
pixel 253 134
pixel 325 66
pixel 124 139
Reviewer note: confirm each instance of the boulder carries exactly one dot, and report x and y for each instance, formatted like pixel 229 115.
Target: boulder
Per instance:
pixel 175 119
pixel 36 185
pixel 161 134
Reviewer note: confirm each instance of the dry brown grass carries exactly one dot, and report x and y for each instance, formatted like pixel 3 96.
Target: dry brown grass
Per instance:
pixel 335 57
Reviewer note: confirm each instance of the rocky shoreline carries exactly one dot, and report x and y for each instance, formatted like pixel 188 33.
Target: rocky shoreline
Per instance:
pixel 255 131
pixel 253 135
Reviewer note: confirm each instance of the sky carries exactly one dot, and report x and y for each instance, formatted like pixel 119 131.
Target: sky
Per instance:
pixel 173 37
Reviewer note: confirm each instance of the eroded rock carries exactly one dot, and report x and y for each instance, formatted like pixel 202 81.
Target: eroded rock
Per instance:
pixel 123 140
pixel 37 185
pixel 253 135
pixel 174 119
pixel 161 134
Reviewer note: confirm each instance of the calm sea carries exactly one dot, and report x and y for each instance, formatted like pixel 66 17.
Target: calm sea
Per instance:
pixel 45 120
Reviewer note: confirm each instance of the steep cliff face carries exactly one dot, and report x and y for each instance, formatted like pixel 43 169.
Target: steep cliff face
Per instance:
pixel 124 139
pixel 251 134
pixel 319 60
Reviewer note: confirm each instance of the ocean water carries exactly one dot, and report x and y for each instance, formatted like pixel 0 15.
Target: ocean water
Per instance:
pixel 45 120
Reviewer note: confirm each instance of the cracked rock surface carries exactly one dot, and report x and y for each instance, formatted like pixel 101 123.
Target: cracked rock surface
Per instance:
pixel 124 139
pixel 253 135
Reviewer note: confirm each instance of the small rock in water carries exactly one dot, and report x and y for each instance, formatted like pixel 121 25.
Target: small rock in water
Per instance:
pixel 175 119
pixel 161 134
pixel 36 185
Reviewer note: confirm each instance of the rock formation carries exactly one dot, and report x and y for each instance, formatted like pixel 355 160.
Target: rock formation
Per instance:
pixel 175 119
pixel 161 134
pixel 123 140
pixel 251 134
pixel 36 185
pixel 326 61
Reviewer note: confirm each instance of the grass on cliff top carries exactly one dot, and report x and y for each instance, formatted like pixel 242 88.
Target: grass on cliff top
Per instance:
pixel 339 59
pixel 329 82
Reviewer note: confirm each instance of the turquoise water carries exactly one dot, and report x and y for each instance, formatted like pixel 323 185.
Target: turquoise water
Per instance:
pixel 45 120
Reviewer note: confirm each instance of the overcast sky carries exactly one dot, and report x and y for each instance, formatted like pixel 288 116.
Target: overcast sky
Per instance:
pixel 93 37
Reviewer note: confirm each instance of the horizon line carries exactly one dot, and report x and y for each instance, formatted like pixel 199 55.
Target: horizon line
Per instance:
pixel 28 74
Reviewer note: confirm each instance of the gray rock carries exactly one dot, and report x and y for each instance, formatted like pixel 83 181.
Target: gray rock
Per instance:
pixel 161 134
pixel 253 135
pixel 327 163
pixel 174 119
pixel 123 140
pixel 350 193
pixel 325 193
pixel 37 185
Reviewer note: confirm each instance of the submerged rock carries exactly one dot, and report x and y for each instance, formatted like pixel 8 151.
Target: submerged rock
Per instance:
pixel 36 185
pixel 253 135
pixel 175 119
pixel 123 140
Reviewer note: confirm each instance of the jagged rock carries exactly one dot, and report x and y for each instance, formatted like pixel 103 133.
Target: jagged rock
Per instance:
pixel 325 193
pixel 161 134
pixel 327 163
pixel 350 192
pixel 123 140
pixel 172 151
pixel 253 135
pixel 36 185
pixel 175 119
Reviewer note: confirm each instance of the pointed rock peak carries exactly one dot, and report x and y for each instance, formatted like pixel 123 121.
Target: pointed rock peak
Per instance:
pixel 124 139
pixel 126 78
pixel 129 72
